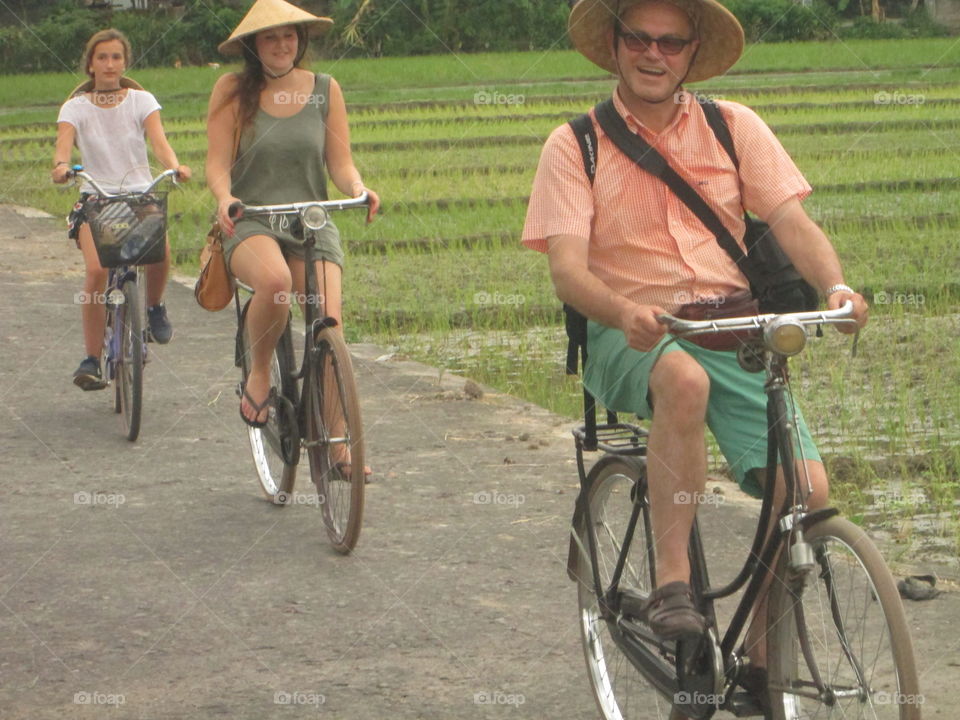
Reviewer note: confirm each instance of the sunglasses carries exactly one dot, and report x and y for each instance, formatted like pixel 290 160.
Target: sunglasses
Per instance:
pixel 638 41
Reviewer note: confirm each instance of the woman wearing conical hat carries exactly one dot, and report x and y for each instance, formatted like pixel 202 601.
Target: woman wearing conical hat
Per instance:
pixel 275 131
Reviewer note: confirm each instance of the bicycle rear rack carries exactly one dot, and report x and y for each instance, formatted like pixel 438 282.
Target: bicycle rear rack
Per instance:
pixel 617 438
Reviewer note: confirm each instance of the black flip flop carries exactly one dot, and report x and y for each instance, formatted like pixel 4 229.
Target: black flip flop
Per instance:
pixel 257 407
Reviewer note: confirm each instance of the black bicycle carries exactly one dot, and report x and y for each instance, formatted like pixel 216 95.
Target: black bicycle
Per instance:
pixel 316 408
pixel 129 231
pixel 838 645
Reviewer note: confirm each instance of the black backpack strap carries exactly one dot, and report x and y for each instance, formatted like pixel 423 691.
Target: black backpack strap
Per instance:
pixel 718 124
pixel 586 136
pixel 576 324
pixel 644 155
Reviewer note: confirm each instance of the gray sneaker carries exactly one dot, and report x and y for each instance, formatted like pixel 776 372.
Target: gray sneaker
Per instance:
pixel 160 328
pixel 87 376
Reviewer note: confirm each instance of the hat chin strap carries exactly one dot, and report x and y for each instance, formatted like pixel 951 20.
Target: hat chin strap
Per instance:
pixel 274 76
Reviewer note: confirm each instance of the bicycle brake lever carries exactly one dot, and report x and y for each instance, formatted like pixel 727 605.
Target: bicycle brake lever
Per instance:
pixel 856 340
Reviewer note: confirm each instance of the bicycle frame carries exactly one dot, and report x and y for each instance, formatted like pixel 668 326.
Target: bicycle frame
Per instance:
pixel 314 319
pixel 113 346
pixel 640 646
pixel 119 275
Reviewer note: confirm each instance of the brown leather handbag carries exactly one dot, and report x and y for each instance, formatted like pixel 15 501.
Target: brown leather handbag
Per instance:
pixel 214 288
pixel 740 305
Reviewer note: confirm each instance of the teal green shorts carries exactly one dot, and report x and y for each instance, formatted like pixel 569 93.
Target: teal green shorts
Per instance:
pixel 617 376
pixel 327 248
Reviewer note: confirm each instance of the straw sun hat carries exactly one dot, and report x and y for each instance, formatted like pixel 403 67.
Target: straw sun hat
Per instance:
pixel 266 14
pixel 720 34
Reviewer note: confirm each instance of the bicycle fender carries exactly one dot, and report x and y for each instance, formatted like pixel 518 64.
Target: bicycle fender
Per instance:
pixel 816 516
pixel 579 510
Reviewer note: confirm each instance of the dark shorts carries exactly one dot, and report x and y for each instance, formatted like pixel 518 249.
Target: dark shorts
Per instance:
pixel 618 376
pixel 327 248
pixel 76 218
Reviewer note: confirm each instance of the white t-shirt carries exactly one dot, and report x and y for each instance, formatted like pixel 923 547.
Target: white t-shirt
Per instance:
pixel 111 140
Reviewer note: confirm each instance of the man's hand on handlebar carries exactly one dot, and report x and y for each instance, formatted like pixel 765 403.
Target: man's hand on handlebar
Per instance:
pixel 641 326
pixel 860 310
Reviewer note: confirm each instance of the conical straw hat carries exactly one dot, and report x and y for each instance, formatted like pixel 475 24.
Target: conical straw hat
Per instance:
pixel 721 36
pixel 266 14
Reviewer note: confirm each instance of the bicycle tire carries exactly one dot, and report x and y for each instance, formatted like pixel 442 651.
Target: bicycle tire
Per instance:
pixel 129 323
pixel 275 474
pixel 333 419
pixel 849 567
pixel 620 690
pixel 109 370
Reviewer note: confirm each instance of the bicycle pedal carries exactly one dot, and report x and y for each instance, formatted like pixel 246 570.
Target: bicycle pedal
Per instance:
pixel 743 704
pixel 634 604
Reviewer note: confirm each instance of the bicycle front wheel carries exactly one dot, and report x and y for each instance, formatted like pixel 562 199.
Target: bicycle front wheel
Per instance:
pixel 621 691
pixel 859 657
pixel 128 324
pixel 334 439
pixel 275 447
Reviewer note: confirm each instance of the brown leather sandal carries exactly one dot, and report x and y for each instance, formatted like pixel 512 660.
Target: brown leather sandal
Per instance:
pixel 672 614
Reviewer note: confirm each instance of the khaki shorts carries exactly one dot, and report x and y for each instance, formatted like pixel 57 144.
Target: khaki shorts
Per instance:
pixel 327 248
pixel 618 377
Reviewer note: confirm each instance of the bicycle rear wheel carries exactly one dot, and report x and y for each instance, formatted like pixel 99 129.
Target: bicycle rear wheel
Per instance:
pixel 129 325
pixel 334 439
pixel 621 691
pixel 274 447
pixel 859 641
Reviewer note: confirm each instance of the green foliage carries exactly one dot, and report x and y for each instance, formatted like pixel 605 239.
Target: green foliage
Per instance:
pixel 867 28
pixel 783 20
pixel 158 37
pixel 431 26
pixel 919 24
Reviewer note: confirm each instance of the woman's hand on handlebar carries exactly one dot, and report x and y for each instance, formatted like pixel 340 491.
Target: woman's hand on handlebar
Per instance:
pixel 184 173
pixel 223 214
pixel 61 173
pixel 374 201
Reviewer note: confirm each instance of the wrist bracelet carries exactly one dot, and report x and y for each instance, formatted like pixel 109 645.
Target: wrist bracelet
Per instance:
pixel 62 162
pixel 837 288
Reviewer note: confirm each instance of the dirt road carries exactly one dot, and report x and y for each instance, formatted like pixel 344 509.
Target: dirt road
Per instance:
pixel 150 580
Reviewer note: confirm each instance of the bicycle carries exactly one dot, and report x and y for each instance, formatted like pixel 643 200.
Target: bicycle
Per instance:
pixel 129 230
pixel 316 407
pixel 838 644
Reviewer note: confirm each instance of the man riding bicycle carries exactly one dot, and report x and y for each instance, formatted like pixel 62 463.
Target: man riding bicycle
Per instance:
pixel 624 249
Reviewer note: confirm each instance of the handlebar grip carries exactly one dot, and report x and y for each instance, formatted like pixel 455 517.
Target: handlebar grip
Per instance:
pixel 235 211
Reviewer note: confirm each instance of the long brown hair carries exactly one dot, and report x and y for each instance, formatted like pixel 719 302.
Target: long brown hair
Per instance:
pixel 251 80
pixel 106 36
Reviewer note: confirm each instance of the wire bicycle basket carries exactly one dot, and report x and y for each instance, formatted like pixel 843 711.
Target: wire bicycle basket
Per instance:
pixel 128 229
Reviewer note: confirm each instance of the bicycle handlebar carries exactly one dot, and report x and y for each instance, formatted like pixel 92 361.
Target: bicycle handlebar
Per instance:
pixel 78 171
pixel 840 316
pixel 238 210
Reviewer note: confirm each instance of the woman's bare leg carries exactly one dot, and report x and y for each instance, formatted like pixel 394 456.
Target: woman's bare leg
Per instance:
pixel 93 309
pixel 258 262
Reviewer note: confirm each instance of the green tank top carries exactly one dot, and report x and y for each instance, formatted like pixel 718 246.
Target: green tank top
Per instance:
pixel 281 160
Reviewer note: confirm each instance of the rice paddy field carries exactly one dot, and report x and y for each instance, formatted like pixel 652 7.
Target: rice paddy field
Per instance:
pixel 451 144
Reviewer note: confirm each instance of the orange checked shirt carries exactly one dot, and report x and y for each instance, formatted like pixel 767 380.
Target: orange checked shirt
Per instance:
pixel 644 242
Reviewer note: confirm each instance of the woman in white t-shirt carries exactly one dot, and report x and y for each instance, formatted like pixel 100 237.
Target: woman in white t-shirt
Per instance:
pixel 109 118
